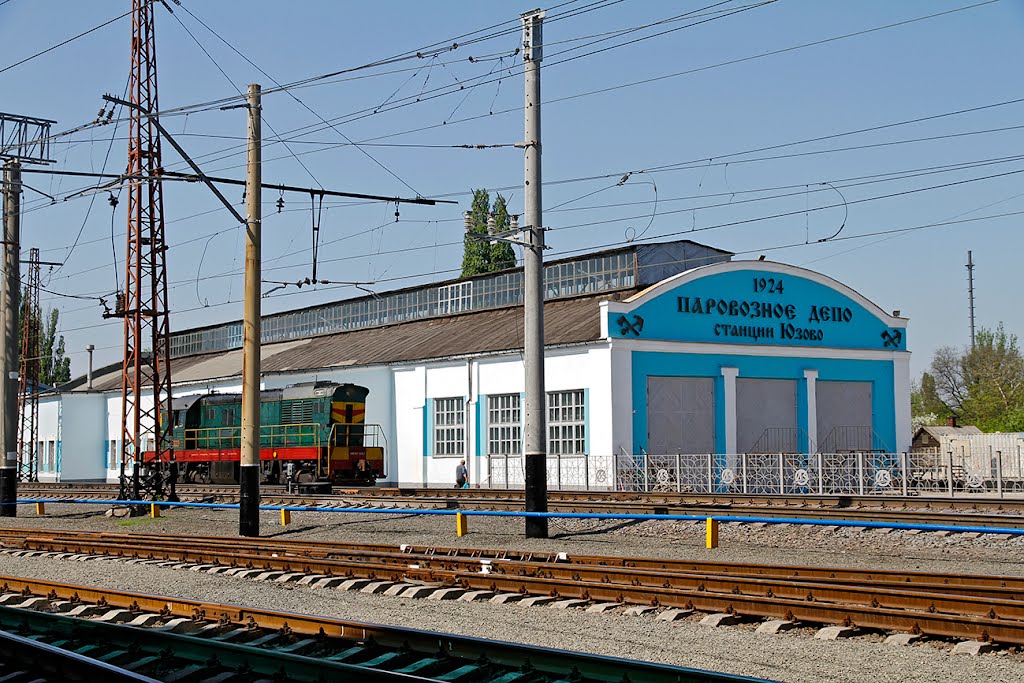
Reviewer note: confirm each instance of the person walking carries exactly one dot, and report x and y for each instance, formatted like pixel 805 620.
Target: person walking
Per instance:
pixel 462 475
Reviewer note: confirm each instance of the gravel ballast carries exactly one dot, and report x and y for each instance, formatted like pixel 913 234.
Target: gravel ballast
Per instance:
pixel 791 656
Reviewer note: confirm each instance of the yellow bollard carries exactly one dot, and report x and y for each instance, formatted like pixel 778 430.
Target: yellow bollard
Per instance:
pixel 154 510
pixel 286 517
pixel 711 533
pixel 40 508
pixel 461 524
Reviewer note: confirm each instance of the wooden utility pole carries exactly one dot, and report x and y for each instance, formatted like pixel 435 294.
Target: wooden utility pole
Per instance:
pixel 533 291
pixel 249 471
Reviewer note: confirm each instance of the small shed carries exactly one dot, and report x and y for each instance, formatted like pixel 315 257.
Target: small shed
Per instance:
pixel 930 437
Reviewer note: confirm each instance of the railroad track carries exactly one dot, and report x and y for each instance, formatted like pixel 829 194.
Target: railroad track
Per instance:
pixel 121 636
pixel 915 510
pixel 973 607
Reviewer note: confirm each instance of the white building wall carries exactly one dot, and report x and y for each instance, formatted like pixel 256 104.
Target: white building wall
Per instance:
pixel 49 438
pixel 416 388
pixel 83 453
pixel 410 387
pixel 901 387
pixel 620 377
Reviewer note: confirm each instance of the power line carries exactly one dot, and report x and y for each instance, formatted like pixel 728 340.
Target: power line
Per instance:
pixel 240 93
pixel 621 219
pixel 362 113
pixel 304 105
pixel 775 247
pixel 64 42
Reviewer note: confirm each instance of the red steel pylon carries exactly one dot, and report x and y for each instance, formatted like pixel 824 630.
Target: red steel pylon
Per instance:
pixel 146 320
pixel 28 375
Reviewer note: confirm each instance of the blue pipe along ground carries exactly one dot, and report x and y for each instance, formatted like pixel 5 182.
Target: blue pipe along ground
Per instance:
pixel 548 515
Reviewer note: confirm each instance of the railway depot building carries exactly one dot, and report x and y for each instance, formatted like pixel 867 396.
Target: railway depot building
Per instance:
pixel 667 350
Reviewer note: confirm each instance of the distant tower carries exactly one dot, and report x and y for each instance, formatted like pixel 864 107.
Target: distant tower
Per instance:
pixel 970 292
pixel 28 375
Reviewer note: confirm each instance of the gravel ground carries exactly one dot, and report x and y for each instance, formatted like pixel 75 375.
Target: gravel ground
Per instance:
pixel 793 656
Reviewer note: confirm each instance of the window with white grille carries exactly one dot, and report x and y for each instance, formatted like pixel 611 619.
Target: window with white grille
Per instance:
pixel 450 426
pixel 455 297
pixel 51 456
pixel 567 424
pixel 504 425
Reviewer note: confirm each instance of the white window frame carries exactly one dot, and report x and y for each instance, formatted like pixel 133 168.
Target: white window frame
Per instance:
pixel 449 437
pixel 504 424
pixel 567 422
pixel 455 298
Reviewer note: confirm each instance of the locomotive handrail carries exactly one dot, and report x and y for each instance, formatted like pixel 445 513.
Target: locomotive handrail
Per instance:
pixel 277 434
pixel 368 431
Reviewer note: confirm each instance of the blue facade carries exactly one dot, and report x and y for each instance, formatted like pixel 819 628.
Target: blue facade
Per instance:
pixel 762 307
pixel 656 364
pixel 740 315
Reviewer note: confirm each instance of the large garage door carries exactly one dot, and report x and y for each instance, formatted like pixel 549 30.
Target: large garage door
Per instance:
pixel 844 416
pixel 766 416
pixel 680 415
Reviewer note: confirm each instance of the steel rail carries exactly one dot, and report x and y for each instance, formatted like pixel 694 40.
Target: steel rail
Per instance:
pixel 937 609
pixel 316 557
pixel 434 656
pixel 841 507
pixel 28 659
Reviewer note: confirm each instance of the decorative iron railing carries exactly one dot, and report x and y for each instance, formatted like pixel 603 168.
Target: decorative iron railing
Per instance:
pixel 927 473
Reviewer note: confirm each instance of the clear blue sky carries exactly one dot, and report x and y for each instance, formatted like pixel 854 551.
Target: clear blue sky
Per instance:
pixel 962 60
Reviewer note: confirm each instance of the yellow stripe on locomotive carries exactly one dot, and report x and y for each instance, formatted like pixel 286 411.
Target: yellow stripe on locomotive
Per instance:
pixel 354 454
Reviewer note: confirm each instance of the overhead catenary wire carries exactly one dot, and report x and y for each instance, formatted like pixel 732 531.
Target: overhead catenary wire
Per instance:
pixel 762 249
pixel 848 182
pixel 306 129
pixel 64 42
pixel 661 235
pixel 731 156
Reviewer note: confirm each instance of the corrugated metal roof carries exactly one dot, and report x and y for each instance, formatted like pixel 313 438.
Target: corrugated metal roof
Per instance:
pixel 566 321
pixel 939 431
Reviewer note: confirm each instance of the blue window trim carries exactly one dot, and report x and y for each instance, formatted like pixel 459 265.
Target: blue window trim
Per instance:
pixel 586 422
pixel 481 418
pixel 428 427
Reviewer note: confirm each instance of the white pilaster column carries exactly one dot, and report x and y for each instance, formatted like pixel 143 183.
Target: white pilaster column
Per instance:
pixel 812 409
pixel 729 375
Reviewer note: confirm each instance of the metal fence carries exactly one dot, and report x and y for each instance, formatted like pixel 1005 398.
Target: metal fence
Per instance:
pixel 925 473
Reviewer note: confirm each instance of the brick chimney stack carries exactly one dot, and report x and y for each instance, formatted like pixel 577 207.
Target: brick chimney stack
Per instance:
pixel 951 421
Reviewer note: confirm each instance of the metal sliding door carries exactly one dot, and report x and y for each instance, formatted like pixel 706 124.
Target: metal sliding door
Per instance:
pixel 680 415
pixel 766 416
pixel 844 416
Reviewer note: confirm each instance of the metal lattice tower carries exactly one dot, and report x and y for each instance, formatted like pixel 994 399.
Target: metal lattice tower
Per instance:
pixel 28 375
pixel 144 301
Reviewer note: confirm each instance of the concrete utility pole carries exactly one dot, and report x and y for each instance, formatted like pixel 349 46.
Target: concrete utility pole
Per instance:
pixel 970 292
pixel 249 472
pixel 10 295
pixel 88 377
pixel 533 292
